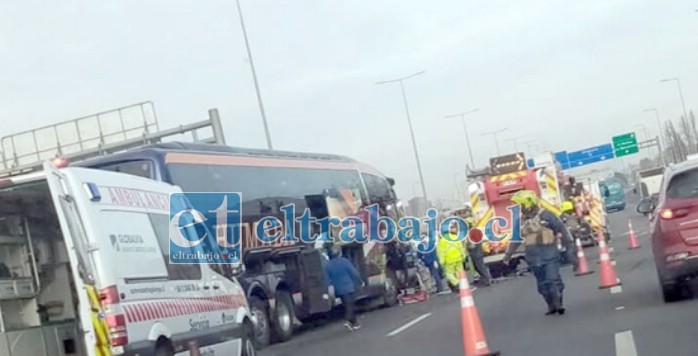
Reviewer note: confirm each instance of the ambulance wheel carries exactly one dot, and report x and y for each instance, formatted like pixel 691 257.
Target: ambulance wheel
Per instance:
pixel 163 348
pixel 248 347
pixel 260 322
pixel 283 317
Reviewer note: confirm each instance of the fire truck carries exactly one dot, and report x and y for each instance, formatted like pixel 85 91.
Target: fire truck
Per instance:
pixel 491 190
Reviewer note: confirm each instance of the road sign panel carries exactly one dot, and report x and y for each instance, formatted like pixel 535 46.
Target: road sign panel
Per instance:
pixel 590 155
pixel 625 144
pixel 563 159
pixel 508 164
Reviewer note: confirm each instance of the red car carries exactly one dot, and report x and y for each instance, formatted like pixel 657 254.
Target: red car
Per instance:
pixel 674 228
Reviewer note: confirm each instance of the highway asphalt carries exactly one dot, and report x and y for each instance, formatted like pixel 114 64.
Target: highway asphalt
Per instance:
pixel 626 321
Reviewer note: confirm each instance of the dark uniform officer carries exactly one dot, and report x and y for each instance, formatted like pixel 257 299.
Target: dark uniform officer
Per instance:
pixel 540 230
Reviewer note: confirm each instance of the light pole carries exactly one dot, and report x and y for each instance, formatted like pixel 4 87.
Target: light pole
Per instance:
pixel 659 121
pixel 465 131
pixel 254 77
pixel 414 191
pixel 529 146
pixel 496 140
pixel 644 130
pixel 455 181
pixel 409 122
pixel 659 134
pixel 647 136
pixel 514 140
pixel 678 84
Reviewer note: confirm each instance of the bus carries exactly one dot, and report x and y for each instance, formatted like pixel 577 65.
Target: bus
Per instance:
pixel 283 281
pixel 613 194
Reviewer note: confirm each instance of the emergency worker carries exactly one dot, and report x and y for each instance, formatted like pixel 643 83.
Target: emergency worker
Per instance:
pixel 477 255
pixel 451 255
pixel 540 231
pixel 571 222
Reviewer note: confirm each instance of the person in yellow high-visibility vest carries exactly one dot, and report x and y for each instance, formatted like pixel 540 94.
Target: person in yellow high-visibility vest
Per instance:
pixel 451 254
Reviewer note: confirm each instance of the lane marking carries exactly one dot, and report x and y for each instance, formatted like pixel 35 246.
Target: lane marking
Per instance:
pixel 410 324
pixel 625 344
pixel 620 308
pixel 616 290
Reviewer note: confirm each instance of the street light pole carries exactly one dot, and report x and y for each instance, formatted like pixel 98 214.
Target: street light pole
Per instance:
pixel 647 137
pixel 659 134
pixel 496 140
pixel 414 191
pixel 529 146
pixel 409 122
pixel 514 140
pixel 465 131
pixel 254 77
pixel 678 84
pixel 455 181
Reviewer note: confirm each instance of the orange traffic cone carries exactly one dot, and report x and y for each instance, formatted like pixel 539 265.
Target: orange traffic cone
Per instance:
pixel 582 266
pixel 632 238
pixel 474 342
pixel 607 274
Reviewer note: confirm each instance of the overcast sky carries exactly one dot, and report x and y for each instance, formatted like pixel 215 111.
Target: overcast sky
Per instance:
pixel 569 74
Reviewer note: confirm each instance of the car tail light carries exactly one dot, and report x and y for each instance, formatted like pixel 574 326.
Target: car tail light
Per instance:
pixel 116 321
pixel 676 257
pixel 668 214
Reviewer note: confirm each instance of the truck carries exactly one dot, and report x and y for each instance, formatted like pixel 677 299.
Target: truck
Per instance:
pixel 650 182
pixel 551 182
pixel 490 192
pixel 282 280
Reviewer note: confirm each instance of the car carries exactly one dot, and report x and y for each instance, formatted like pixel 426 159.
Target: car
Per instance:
pixel 674 228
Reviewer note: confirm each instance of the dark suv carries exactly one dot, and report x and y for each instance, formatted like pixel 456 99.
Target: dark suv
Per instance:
pixel 674 227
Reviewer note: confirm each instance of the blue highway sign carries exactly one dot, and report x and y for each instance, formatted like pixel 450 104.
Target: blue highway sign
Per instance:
pixel 590 155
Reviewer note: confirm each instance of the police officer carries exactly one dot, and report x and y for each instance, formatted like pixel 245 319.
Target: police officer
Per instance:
pixel 540 231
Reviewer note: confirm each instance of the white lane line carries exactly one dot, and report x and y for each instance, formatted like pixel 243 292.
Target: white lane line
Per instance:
pixel 616 290
pixel 625 344
pixel 620 308
pixel 411 323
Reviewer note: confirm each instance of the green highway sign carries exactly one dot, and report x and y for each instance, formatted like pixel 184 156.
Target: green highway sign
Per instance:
pixel 625 144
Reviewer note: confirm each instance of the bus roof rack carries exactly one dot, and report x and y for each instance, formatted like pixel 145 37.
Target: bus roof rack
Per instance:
pixel 95 135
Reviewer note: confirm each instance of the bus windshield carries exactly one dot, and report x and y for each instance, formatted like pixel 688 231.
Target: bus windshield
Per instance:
pixel 265 190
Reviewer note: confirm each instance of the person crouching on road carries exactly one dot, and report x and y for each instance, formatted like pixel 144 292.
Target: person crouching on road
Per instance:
pixel 540 230
pixel 431 261
pixel 451 255
pixel 344 277
pixel 476 253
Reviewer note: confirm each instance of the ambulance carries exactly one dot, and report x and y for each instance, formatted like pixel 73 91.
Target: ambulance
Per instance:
pixel 84 270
